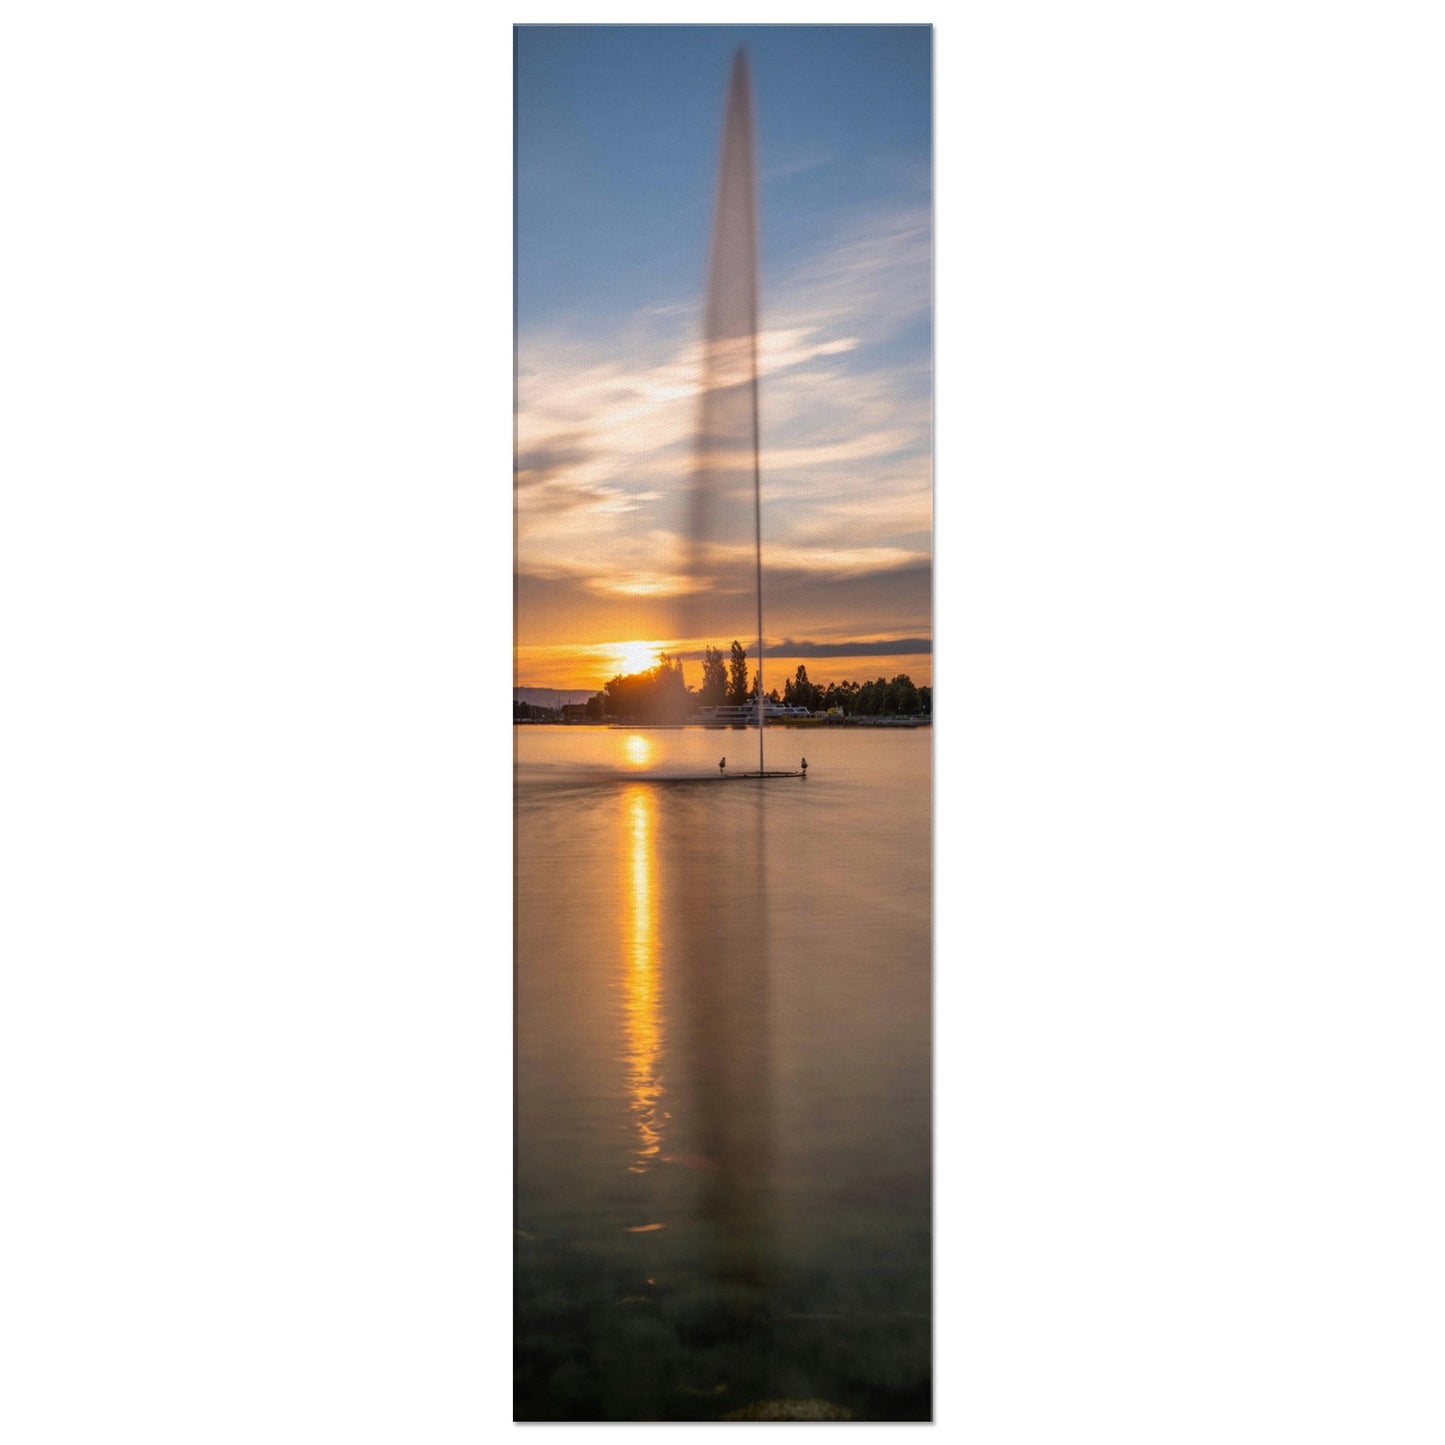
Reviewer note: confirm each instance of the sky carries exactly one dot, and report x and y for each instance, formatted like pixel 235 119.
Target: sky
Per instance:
pixel 617 135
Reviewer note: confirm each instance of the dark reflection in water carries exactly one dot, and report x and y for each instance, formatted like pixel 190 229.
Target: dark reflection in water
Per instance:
pixel 725 972
pixel 722 1081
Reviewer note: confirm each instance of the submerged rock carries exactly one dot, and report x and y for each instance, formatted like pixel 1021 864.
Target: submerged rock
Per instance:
pixel 791 1410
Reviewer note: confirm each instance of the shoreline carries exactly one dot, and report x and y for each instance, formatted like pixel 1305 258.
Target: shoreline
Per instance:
pixel 851 722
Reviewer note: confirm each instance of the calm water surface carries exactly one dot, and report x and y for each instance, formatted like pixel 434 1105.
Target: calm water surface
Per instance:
pixel 723 1029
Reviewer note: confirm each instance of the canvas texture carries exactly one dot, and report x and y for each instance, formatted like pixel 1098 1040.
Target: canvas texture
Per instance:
pixel 723 707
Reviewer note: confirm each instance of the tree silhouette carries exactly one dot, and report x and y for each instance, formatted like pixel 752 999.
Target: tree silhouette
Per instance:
pixel 660 694
pixel 738 674
pixel 657 695
pixel 799 692
pixel 714 678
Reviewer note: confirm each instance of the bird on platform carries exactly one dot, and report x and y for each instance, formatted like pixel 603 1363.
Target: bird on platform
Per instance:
pixel 805 765
pixel 722 766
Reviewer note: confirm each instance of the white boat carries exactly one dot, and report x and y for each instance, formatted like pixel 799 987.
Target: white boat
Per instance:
pixel 746 714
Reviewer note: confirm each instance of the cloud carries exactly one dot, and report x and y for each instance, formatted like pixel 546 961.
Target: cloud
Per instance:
pixel 880 276
pixel 641 584
pixel 606 433
pixel 551 499
pixel 794 161
pixel 868 647
pixel 550 458
pixel 559 607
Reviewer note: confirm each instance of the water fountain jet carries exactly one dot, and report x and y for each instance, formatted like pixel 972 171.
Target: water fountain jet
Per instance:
pixel 726 490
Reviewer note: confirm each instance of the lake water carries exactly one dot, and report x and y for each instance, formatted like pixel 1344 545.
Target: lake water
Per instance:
pixel 723 1074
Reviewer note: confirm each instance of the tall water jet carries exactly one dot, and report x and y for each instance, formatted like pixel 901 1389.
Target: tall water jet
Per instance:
pixel 725 514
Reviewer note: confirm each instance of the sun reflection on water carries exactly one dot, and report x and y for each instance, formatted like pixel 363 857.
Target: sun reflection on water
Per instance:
pixel 641 983
pixel 638 750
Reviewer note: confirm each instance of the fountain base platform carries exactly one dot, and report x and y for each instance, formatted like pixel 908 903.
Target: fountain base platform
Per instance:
pixel 724 777
pixel 727 777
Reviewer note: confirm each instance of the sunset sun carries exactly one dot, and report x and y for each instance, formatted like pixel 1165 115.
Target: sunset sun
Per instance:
pixel 633 657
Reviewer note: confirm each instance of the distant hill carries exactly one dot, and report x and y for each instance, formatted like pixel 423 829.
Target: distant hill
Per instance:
pixel 550 696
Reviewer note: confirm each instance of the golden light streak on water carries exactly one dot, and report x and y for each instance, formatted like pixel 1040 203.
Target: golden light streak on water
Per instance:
pixel 642 1000
pixel 638 750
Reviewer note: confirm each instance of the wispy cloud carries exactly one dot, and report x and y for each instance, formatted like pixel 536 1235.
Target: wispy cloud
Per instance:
pixel 795 161
pixel 606 427
pixel 854 647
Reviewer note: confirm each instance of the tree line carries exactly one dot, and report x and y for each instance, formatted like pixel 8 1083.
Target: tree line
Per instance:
pixel 661 695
